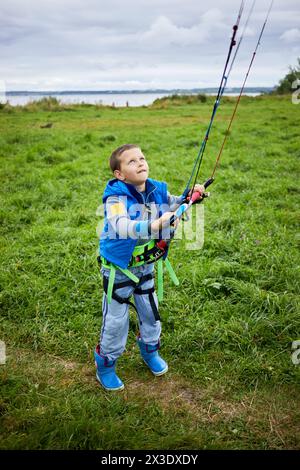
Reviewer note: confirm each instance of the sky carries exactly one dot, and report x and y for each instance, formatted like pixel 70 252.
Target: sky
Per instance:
pixel 141 44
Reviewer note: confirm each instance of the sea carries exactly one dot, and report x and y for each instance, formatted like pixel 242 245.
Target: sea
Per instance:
pixel 115 98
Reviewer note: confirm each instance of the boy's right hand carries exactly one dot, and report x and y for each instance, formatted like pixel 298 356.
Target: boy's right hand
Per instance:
pixel 164 221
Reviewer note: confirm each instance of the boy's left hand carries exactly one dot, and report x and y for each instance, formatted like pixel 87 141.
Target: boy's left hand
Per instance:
pixel 199 188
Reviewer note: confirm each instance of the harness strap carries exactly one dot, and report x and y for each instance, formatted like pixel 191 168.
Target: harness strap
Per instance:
pixel 125 300
pixel 134 280
pixel 118 298
pixel 160 280
pixel 150 292
pixel 112 275
pixel 160 277
pixel 129 274
pixel 171 272
pixel 144 291
pixel 153 306
pixel 148 277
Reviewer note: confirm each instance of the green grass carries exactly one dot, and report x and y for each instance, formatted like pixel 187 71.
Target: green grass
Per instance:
pixel 228 327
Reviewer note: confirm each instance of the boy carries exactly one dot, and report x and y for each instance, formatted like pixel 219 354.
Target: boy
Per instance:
pixel 137 210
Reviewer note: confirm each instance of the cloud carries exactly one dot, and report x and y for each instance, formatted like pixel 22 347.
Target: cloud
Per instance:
pixel 291 35
pixel 90 44
pixel 164 32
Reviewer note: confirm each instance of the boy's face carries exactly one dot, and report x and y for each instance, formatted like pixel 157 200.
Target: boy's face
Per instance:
pixel 133 167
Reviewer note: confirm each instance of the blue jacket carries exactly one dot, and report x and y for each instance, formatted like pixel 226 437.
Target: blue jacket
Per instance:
pixel 116 250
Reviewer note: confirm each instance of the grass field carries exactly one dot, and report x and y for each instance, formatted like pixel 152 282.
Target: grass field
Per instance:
pixel 227 329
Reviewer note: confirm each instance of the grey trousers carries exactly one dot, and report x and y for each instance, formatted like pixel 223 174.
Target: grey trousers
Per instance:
pixel 115 316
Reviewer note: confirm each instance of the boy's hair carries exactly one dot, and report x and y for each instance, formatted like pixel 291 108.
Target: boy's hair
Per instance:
pixel 114 159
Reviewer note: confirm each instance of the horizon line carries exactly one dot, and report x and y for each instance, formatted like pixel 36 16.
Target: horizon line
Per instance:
pixel 147 90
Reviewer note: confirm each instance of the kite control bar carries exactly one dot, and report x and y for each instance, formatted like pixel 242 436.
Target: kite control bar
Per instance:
pixel 195 198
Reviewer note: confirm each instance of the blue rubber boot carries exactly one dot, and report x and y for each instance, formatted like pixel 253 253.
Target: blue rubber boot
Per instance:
pixel 106 374
pixel 151 357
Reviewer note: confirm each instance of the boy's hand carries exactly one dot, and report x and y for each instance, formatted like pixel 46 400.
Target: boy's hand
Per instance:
pixel 199 188
pixel 163 221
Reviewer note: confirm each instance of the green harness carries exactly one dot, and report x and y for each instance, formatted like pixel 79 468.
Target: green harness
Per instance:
pixel 137 253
